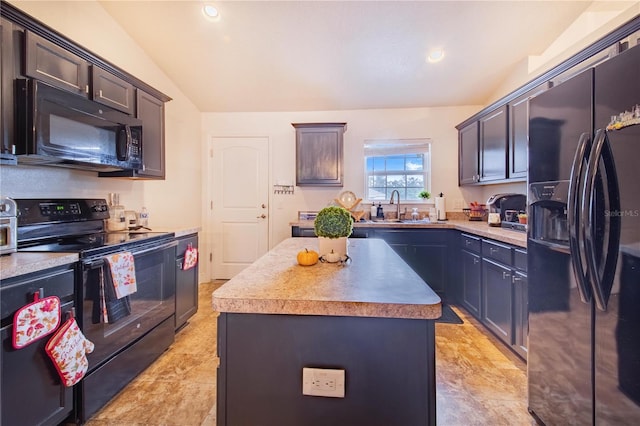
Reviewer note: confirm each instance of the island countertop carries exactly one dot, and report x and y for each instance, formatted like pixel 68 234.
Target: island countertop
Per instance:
pixel 375 283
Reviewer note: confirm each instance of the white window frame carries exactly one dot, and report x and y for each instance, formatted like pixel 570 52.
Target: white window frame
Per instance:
pixel 396 147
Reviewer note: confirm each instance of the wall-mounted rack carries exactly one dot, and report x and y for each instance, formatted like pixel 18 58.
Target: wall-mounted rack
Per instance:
pixel 283 189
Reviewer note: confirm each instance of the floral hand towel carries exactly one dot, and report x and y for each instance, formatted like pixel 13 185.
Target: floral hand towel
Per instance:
pixel 123 273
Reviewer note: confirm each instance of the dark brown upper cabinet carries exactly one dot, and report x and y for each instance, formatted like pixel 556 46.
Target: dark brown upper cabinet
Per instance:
pixel 468 154
pixel 319 154
pixel 493 145
pixel 519 134
pixel 150 110
pixel 518 138
pixel 52 64
pixel 112 91
pixel 6 93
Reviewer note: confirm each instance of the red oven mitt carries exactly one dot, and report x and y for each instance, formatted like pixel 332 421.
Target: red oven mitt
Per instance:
pixel 67 349
pixel 190 258
pixel 35 320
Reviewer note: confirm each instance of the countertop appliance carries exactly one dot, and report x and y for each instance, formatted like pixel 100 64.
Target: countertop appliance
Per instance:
pixel 507 206
pixel 8 226
pixel 56 127
pixel 141 326
pixel 583 240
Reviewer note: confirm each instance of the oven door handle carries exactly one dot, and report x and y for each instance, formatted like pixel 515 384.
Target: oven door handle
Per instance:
pixel 93 264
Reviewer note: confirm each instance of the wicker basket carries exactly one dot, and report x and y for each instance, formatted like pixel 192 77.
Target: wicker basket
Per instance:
pixel 476 213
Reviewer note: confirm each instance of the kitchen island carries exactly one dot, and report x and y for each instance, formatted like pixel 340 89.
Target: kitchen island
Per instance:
pixel 371 318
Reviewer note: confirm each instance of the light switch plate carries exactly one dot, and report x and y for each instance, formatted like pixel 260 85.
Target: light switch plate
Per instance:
pixel 323 382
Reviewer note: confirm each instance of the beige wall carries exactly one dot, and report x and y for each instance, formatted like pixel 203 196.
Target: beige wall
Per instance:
pixel 599 19
pixel 174 202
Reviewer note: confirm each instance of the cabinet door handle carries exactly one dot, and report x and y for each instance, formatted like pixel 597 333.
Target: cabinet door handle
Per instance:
pixel 515 279
pixel 493 250
pixel 262 216
pixel 505 275
pixel 467 242
pixel 475 261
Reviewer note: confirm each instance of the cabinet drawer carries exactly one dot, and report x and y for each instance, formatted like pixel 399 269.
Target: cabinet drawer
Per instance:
pixel 520 259
pixel 470 242
pixel 496 251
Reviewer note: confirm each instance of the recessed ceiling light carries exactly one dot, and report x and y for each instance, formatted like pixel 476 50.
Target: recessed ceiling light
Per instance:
pixel 436 55
pixel 210 11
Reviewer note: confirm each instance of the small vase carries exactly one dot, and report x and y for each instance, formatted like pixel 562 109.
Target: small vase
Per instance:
pixel 338 245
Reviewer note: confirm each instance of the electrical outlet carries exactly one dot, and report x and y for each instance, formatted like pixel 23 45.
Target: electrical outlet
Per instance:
pixel 458 203
pixel 323 382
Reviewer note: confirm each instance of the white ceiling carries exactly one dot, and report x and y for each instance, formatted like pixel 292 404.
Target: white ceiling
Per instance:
pixel 331 55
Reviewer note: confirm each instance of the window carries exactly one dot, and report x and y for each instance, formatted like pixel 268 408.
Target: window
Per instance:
pixel 403 164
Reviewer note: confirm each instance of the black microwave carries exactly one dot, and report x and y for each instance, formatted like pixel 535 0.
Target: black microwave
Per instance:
pixel 55 127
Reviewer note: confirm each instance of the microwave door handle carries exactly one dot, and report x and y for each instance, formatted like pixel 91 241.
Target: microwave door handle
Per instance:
pixel 123 143
pixel 602 277
pixel 576 237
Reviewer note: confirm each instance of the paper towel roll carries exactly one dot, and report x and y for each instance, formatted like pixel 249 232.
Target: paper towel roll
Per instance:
pixel 441 208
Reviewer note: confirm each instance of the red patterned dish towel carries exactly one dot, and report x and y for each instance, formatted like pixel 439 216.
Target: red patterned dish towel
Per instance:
pixel 123 273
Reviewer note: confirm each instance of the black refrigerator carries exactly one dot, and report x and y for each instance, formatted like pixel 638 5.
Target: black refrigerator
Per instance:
pixel 583 247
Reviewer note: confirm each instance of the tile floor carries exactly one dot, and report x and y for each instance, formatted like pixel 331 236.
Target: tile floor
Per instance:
pixel 478 381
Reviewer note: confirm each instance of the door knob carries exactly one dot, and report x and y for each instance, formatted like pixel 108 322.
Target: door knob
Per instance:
pixel 262 216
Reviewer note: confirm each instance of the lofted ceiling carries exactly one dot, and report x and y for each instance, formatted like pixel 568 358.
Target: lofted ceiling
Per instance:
pixel 330 55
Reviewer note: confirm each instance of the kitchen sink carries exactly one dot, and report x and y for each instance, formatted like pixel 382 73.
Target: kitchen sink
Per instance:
pixel 404 221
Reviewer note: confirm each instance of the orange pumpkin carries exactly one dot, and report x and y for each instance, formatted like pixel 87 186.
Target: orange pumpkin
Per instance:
pixel 307 257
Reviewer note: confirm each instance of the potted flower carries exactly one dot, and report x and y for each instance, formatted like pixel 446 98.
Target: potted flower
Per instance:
pixel 522 218
pixel 332 226
pixel 425 195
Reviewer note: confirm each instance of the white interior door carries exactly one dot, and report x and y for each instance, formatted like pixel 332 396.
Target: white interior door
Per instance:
pixel 240 210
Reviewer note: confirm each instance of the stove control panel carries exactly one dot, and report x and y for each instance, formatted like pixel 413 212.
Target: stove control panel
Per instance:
pixel 61 210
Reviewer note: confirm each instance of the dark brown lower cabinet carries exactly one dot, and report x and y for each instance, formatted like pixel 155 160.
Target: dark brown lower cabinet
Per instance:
pixel 471 271
pixel 497 308
pixel 32 392
pixel 186 283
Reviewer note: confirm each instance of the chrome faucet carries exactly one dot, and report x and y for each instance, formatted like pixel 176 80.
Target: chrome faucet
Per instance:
pixel 395 191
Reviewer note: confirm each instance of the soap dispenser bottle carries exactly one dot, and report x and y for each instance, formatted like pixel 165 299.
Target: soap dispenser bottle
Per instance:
pixel 380 212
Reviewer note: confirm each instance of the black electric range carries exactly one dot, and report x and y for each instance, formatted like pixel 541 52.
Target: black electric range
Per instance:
pixel 138 327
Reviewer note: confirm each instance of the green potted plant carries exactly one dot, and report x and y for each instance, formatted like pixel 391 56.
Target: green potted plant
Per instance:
pixel 425 195
pixel 332 226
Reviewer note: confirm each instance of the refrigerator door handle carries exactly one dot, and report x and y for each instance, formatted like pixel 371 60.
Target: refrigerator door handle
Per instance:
pixel 576 232
pixel 602 275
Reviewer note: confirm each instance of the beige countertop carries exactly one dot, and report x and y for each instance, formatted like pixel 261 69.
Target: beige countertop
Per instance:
pixel 480 228
pixel 376 283
pixel 21 263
